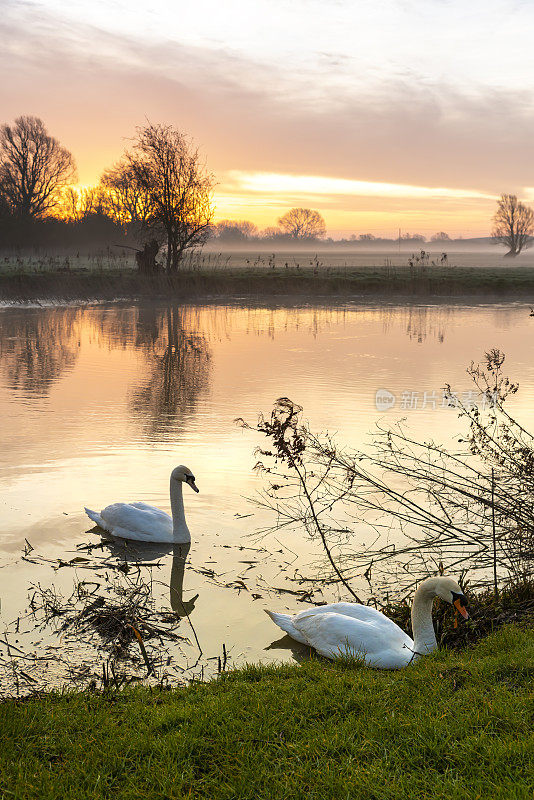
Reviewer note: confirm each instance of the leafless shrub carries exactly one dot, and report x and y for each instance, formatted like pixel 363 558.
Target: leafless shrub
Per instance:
pixel 425 506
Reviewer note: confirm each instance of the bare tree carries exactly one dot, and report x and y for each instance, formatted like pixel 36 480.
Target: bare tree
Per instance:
pixel 167 167
pixel 440 237
pixel 412 237
pixel 34 167
pixel 78 204
pixel 303 223
pixel 513 224
pixel 229 230
pixel 126 200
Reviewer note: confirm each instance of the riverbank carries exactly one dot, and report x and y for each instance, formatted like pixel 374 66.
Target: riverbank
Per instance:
pixel 71 285
pixel 455 725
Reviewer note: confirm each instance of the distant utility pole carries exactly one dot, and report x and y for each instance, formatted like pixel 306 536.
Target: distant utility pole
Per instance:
pixel 399 239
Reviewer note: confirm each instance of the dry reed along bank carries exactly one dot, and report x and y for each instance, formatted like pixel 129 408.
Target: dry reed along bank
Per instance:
pixel 89 285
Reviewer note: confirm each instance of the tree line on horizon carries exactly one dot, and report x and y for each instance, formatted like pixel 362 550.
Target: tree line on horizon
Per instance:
pixel 159 194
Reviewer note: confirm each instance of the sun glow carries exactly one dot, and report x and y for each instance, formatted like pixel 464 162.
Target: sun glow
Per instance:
pixel 353 205
pixel 276 183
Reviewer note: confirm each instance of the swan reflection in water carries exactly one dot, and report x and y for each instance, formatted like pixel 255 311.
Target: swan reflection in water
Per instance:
pixel 141 553
pixel 300 652
pixel 181 607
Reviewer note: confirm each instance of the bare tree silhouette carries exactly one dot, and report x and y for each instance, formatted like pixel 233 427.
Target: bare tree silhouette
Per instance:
pixel 303 223
pixel 513 224
pixel 34 167
pixel 126 199
pixel 174 186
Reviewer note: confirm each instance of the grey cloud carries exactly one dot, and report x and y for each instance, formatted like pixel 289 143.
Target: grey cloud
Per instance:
pixel 97 87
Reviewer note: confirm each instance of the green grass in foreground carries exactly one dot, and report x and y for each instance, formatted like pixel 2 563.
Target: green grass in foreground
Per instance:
pixel 455 726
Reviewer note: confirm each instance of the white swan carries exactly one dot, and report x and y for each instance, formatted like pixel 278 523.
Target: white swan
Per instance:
pixel 353 629
pixel 145 523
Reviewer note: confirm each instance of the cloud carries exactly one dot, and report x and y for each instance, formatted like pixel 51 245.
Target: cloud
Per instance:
pixel 401 124
pixel 295 185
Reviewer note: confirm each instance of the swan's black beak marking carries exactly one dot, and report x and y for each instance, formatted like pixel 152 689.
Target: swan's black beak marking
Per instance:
pixel 190 479
pixel 460 602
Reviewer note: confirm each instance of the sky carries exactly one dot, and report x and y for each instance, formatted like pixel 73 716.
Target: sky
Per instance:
pixel 381 114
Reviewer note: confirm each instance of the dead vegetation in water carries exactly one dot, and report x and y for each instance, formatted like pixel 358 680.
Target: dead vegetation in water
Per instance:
pixel 119 614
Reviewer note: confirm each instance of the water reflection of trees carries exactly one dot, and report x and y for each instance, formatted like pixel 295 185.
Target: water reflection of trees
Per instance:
pixel 418 322
pixel 178 364
pixel 38 345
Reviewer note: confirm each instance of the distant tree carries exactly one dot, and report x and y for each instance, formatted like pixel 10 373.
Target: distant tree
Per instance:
pixel 78 204
pixel 513 224
pixel 440 237
pixel 34 168
pixel 126 199
pixel 303 223
pixel 413 237
pixel 367 237
pixel 167 168
pixel 229 230
pixel 273 233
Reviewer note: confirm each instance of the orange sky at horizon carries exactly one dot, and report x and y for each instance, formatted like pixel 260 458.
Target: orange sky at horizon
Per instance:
pixel 350 207
pixel 381 116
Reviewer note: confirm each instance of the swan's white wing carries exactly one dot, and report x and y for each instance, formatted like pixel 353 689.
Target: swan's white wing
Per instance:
pixel 333 634
pixel 353 610
pixel 137 521
pixel 151 509
pixel 285 622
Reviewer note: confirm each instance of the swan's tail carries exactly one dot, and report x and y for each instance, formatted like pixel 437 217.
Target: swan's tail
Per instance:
pixel 95 517
pixel 284 621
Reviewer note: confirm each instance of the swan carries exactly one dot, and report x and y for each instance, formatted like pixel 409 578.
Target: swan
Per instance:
pixel 342 629
pixel 145 523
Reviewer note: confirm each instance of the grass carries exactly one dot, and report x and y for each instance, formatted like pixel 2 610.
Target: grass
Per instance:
pixel 456 725
pixel 87 285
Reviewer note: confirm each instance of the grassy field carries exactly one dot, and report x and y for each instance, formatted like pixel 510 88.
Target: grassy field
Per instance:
pixel 87 285
pixel 456 725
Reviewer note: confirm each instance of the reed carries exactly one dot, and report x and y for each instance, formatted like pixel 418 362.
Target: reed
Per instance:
pixel 67 284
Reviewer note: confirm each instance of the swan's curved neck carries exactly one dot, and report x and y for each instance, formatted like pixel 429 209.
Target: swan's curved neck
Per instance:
pixel 424 636
pixel 180 531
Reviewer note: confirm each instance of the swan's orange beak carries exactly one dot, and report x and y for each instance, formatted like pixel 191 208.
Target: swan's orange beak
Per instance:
pixel 462 609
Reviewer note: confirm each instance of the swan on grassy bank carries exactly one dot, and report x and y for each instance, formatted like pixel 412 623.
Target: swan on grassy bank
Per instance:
pixel 352 629
pixel 144 523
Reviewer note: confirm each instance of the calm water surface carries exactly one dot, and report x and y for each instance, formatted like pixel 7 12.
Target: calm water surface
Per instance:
pixel 99 403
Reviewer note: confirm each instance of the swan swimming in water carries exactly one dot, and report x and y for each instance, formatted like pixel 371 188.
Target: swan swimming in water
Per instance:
pixel 342 629
pixel 145 523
